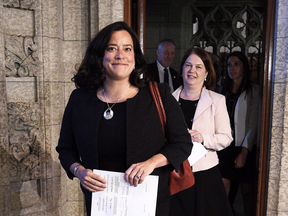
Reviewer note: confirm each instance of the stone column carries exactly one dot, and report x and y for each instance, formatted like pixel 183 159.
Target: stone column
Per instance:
pixel 277 203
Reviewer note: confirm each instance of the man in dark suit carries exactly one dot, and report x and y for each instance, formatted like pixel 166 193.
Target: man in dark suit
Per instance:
pixel 160 70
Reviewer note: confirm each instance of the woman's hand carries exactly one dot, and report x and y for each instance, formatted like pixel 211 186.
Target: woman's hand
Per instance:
pixel 89 180
pixel 196 136
pixel 241 158
pixel 136 173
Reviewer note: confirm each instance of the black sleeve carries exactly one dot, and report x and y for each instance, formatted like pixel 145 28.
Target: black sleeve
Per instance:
pixel 67 149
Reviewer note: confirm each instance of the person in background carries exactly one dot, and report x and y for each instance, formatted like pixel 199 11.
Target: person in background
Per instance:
pixel 160 70
pixel 216 61
pixel 111 122
pixel 237 163
pixel 208 123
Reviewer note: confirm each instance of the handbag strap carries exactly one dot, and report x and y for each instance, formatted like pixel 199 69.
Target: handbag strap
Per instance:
pixel 153 86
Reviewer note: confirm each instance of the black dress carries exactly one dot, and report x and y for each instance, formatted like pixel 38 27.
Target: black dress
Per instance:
pixel 111 143
pixel 143 136
pixel 228 155
pixel 207 197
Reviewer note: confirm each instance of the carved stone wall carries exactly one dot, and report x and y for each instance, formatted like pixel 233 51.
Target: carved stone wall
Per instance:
pixel 40 44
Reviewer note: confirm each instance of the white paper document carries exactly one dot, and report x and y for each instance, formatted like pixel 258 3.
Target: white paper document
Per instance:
pixel 198 151
pixel 121 199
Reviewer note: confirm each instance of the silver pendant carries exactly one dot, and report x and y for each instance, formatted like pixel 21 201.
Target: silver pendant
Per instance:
pixel 108 114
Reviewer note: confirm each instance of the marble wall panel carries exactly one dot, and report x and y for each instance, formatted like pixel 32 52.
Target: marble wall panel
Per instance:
pixel 94 13
pixel 284 158
pixel 48 192
pixel 64 179
pixel 75 18
pixel 57 99
pixel 29 195
pixel 52 59
pixel 73 208
pixel 1 18
pixel 16 204
pixel 55 132
pixel 54 102
pixel 271 213
pixel 52 18
pixel 18 22
pixel 21 89
pixel 57 191
pixel 282 9
pixel 3 107
pixel 72 195
pixel 110 11
pixel 275 153
pixel 74 192
pixel 281 213
pixel 282 30
pixel 4 200
pixel 281 63
pixel 2 55
pixel 4 168
pixel 272 196
pixel 47 101
pixel 278 104
pixel 283 196
pixel 46 157
pixel 73 54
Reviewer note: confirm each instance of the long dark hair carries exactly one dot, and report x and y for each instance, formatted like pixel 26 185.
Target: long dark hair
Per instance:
pixel 91 71
pixel 246 82
pixel 210 82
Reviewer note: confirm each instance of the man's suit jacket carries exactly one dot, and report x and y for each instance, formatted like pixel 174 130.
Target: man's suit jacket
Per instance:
pixel 154 73
pixel 211 119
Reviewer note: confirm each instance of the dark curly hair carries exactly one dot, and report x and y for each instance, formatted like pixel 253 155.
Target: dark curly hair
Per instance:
pixel 91 71
pixel 210 82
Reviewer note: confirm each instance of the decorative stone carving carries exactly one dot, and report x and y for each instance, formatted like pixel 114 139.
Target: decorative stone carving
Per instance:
pixel 227 27
pixel 25 4
pixel 24 147
pixel 21 59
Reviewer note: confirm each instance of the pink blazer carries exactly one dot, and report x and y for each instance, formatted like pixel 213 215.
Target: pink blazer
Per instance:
pixel 211 119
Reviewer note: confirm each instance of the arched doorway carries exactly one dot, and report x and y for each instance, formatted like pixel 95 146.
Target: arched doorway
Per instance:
pixel 135 16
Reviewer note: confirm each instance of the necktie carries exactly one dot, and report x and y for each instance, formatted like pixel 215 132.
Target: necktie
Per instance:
pixel 166 76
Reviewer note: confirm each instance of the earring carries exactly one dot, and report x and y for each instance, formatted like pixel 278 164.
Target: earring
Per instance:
pixel 205 79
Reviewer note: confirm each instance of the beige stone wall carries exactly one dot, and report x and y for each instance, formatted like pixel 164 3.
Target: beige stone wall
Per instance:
pixel 278 176
pixel 41 43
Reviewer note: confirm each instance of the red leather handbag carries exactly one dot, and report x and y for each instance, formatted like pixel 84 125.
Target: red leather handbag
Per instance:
pixel 184 178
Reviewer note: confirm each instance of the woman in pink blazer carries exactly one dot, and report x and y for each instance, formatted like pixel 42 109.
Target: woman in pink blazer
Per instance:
pixel 208 123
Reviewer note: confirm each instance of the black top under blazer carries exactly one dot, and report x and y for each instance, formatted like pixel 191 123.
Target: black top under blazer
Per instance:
pixel 154 73
pixel 78 136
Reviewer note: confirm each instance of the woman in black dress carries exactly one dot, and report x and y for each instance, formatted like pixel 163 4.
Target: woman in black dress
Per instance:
pixel 111 123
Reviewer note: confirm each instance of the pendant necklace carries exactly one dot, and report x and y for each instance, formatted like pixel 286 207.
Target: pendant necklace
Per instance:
pixel 108 113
